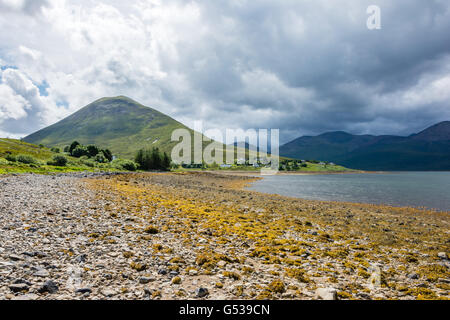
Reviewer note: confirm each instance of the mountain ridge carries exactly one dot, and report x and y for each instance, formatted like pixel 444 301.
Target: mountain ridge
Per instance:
pixel 426 150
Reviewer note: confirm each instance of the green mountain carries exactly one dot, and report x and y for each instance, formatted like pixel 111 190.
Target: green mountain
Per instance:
pixel 427 150
pixel 119 124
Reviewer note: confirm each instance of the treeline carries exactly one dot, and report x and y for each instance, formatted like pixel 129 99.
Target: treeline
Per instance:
pixel 145 159
pixel 153 159
pixel 78 150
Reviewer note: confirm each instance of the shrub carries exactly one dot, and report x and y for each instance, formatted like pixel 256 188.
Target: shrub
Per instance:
pixel 88 163
pixel 125 165
pixel 80 151
pixel 58 161
pixel 11 158
pixel 73 146
pixel 3 161
pixel 100 158
pixel 26 159
pixel 55 150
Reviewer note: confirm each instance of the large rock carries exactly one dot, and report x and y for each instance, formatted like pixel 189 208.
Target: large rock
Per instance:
pixel 19 287
pixel 49 287
pixel 326 293
pixel 146 280
pixel 201 292
pixel 83 290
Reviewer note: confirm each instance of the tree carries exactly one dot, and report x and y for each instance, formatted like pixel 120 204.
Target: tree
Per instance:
pixel 139 158
pixel 73 146
pixel 144 160
pixel 156 160
pixel 152 160
pixel 108 154
pixel 92 151
pixel 166 162
pixel 79 151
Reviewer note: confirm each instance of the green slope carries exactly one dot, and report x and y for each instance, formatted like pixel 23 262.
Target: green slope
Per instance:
pixel 118 123
pixel 16 147
pixel 41 155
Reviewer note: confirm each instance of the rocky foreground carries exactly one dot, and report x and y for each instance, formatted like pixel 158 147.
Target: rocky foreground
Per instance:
pixel 200 236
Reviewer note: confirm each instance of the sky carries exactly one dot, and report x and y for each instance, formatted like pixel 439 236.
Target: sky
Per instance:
pixel 304 67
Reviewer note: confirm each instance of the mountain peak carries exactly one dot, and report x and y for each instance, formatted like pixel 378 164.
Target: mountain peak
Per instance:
pixel 118 123
pixel 117 98
pixel 115 101
pixel 438 132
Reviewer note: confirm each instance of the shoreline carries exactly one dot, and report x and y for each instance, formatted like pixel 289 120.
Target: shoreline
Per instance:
pixel 299 173
pixel 337 202
pixel 166 235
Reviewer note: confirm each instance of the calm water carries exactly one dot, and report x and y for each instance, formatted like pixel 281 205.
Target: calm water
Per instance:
pixel 411 189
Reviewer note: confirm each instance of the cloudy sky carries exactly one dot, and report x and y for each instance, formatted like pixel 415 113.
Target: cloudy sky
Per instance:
pixel 304 67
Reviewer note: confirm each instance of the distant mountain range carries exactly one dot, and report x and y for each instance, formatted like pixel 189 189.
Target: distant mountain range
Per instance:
pixel 424 151
pixel 120 124
pixel 125 126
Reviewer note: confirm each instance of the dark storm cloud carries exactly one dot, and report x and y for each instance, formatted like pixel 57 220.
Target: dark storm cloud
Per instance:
pixel 325 48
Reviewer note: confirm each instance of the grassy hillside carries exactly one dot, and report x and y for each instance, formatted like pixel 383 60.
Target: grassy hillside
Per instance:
pixel 12 149
pixel 16 147
pixel 119 124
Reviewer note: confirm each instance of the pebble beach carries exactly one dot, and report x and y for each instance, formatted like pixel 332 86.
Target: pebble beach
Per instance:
pixel 203 236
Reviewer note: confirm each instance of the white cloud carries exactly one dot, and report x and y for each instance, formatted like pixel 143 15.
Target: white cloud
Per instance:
pixel 13 4
pixel 30 7
pixel 12 105
pixel 22 107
